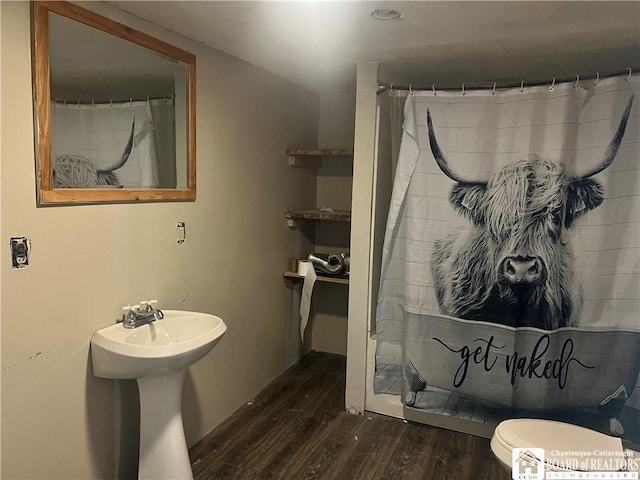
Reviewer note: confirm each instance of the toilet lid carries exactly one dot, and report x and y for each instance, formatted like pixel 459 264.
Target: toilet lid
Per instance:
pixel 558 441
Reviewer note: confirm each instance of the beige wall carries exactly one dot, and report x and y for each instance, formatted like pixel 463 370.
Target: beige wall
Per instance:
pixel 336 130
pixel 330 301
pixel 58 421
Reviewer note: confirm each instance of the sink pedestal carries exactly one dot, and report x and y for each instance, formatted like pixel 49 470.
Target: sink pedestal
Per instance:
pixel 163 448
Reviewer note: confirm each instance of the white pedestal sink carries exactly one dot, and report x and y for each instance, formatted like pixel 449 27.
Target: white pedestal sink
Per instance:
pixel 157 355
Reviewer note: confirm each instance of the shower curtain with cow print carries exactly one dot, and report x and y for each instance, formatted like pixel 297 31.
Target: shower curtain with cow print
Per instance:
pixel 510 282
pixel 99 132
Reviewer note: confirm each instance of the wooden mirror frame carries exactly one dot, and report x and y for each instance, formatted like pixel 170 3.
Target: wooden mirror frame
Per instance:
pixel 46 193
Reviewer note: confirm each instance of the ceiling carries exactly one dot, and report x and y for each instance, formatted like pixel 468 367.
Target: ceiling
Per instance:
pixel 318 43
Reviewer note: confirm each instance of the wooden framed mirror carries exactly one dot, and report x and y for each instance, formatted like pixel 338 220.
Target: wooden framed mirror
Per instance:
pixel 114 110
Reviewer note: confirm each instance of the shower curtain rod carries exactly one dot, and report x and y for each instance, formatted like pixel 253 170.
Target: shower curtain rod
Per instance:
pixel 113 100
pixel 383 86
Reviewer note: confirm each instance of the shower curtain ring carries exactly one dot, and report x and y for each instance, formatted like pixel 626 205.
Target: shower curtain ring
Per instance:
pixel 628 74
pixel 493 92
pixel 433 87
pixel 553 83
pixel 575 85
pixel 410 89
pixel 93 104
pixel 522 86
pixel 463 92
pixel 595 82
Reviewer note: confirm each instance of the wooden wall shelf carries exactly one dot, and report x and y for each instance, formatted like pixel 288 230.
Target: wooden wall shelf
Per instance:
pixel 312 157
pixel 290 279
pixel 297 217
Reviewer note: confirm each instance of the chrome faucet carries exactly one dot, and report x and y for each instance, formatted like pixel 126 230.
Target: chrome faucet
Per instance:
pixel 138 315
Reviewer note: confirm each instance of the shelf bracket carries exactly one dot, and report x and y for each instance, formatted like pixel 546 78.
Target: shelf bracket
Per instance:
pixel 294 222
pixel 303 161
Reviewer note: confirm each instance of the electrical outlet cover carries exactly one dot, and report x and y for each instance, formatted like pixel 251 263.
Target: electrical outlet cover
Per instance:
pixel 20 250
pixel 182 233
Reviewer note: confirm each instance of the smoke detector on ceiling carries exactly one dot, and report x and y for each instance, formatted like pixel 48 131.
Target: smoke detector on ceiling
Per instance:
pixel 386 14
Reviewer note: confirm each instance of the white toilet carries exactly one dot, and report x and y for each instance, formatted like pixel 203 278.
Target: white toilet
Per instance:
pixel 566 448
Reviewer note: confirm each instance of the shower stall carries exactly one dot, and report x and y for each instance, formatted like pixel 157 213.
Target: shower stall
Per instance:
pixel 423 156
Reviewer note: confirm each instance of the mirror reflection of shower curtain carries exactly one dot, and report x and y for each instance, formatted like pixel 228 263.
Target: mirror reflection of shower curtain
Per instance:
pixel 163 113
pixel 99 132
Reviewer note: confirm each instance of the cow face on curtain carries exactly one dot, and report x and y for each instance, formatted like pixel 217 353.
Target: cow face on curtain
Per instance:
pixel 515 267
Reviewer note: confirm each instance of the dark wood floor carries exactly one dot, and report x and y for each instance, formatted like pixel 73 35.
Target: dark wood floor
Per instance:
pixel 297 429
